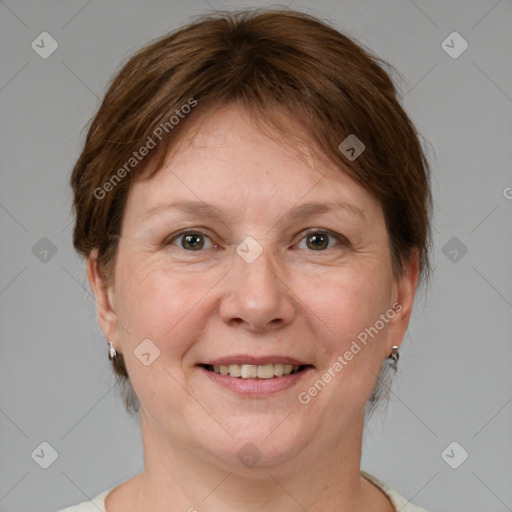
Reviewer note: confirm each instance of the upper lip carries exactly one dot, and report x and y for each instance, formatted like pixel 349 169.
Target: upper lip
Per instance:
pixel 257 361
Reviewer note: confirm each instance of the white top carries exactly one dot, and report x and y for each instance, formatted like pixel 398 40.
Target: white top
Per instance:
pixel 400 503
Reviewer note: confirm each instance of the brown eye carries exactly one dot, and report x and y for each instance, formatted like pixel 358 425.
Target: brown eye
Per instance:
pixel 320 240
pixel 191 241
pixel 317 241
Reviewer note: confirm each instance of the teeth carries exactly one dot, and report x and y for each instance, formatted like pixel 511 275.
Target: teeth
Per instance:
pixel 266 371
pixel 252 371
pixel 278 369
pixel 248 371
pixel 234 370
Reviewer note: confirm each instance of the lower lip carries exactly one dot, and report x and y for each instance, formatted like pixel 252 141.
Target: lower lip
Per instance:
pixel 256 388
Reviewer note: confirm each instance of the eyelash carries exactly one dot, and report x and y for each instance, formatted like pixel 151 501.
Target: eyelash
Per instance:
pixel 342 241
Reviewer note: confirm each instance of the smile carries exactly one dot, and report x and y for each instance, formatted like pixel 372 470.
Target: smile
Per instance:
pixel 252 371
pixel 255 380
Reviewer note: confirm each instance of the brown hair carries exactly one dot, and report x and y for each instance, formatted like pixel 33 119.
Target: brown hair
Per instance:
pixel 267 60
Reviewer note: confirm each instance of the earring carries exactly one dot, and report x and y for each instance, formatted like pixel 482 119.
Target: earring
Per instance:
pixel 394 353
pixel 111 351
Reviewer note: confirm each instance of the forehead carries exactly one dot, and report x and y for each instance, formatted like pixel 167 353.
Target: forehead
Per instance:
pixel 228 159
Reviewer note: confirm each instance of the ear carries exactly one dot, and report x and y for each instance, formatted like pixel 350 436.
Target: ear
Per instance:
pixel 104 295
pixel 403 299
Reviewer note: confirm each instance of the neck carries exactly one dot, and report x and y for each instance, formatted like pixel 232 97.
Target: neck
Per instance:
pixel 325 478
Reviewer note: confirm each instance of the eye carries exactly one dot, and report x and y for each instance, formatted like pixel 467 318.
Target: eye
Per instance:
pixel 194 241
pixel 190 241
pixel 320 240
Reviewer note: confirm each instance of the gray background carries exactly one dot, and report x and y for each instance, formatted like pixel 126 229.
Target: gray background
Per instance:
pixel 454 383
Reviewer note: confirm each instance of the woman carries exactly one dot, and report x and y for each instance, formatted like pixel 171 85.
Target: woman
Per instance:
pixel 254 206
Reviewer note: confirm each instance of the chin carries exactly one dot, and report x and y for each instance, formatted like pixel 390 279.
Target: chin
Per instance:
pixel 258 442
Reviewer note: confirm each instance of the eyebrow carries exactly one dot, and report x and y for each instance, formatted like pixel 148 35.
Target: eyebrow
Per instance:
pixel 298 213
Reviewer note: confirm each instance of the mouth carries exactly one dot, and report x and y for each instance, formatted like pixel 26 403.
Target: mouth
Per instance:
pixel 252 377
pixel 253 371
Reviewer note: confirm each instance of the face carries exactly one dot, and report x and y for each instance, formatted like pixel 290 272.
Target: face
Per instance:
pixel 243 255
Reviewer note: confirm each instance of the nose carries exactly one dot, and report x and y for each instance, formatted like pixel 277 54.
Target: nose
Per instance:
pixel 257 296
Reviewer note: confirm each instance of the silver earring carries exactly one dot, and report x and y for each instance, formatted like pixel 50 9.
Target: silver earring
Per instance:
pixel 111 351
pixel 394 353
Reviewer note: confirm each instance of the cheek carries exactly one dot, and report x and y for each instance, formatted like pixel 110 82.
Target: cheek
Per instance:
pixel 164 307
pixel 346 303
pixel 345 312
pixel 158 303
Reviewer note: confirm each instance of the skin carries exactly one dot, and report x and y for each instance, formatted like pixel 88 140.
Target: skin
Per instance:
pixel 293 300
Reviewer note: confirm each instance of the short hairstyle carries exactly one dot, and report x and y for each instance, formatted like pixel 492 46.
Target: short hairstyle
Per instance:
pixel 267 60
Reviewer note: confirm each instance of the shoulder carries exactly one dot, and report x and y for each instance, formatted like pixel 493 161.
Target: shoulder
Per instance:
pixel 400 502
pixel 97 504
